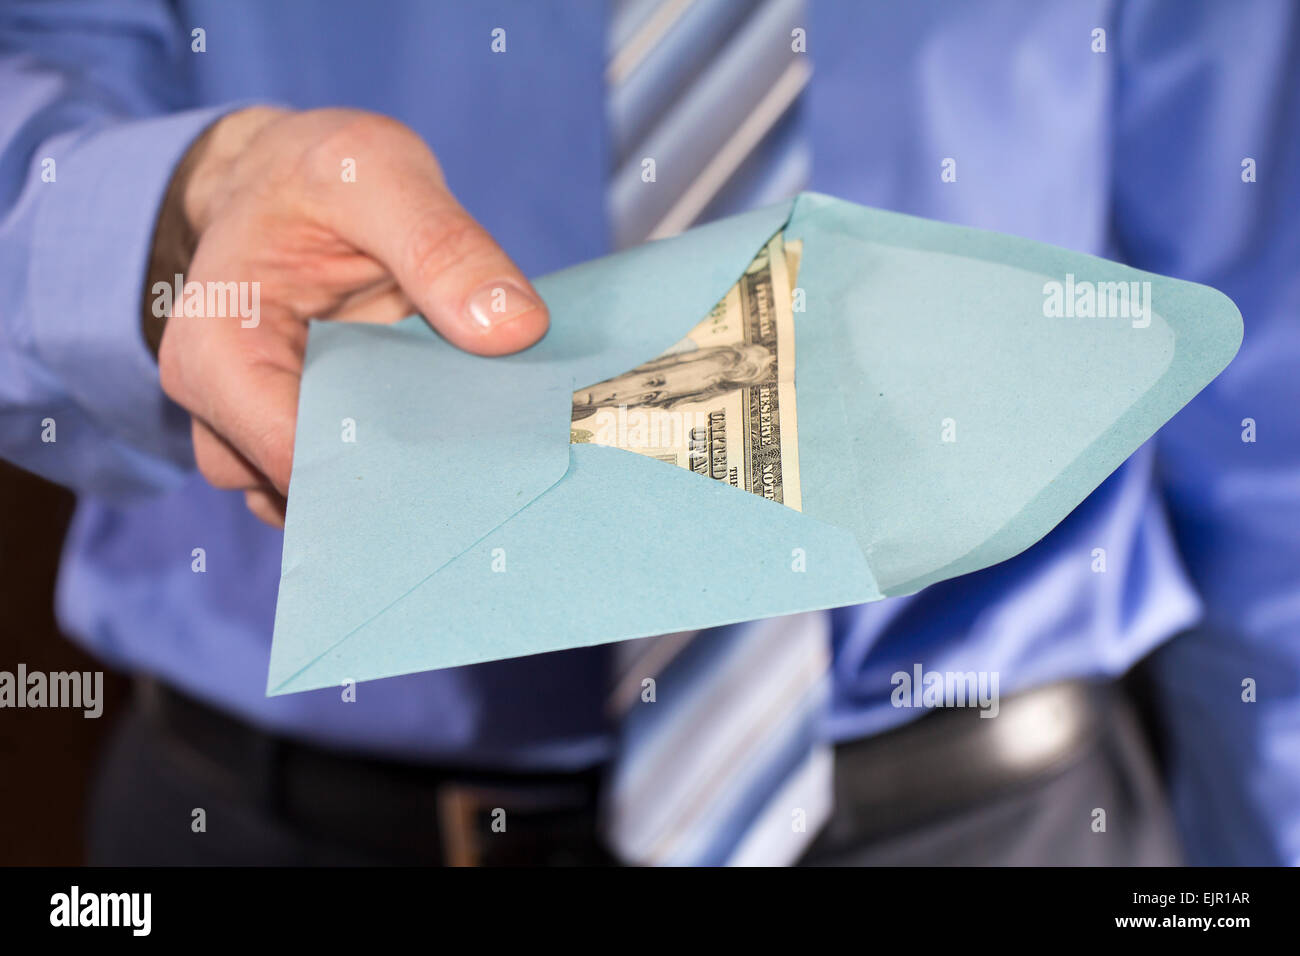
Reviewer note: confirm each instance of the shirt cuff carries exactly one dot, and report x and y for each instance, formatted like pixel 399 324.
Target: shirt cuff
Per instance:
pixel 90 257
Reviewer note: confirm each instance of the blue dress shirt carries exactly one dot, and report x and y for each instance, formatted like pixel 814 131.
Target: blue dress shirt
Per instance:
pixel 1135 152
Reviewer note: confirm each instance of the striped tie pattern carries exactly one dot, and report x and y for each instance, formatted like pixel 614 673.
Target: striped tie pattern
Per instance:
pixel 706 90
pixel 719 760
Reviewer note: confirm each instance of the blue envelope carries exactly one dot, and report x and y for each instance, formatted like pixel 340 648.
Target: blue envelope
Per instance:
pixel 958 392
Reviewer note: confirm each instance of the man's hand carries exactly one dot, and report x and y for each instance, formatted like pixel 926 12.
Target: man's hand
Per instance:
pixel 264 193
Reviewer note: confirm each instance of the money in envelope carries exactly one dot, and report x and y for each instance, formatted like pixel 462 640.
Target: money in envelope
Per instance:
pixel 807 406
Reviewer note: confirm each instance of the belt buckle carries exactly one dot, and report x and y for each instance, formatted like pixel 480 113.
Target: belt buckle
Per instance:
pixel 458 808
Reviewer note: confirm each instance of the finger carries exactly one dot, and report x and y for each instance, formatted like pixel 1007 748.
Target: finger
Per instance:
pixel 446 263
pixel 220 463
pixel 242 385
pixel 261 430
pixel 267 505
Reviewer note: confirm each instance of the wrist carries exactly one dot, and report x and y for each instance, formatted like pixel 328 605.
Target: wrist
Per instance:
pixel 192 195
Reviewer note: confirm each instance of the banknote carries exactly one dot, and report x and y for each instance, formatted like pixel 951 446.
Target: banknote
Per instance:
pixel 721 401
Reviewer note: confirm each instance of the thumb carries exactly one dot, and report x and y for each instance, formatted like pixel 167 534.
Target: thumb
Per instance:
pixel 447 264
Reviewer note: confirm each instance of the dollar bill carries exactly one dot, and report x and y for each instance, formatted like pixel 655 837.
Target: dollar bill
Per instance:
pixel 721 401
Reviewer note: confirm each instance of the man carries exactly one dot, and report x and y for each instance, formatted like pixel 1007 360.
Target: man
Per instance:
pixel 135 146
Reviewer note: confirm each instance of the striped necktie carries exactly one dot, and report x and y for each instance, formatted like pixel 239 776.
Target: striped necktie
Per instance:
pixel 707 91
pixel 719 761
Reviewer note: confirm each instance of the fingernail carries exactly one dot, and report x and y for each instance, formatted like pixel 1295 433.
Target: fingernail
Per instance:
pixel 498 302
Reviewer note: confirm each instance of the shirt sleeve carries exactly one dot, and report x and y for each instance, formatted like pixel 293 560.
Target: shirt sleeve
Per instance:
pixel 88 143
pixel 1206 151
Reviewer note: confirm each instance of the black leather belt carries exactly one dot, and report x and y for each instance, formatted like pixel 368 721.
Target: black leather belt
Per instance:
pixel 387 811
pixel 399 812
pixel 953 758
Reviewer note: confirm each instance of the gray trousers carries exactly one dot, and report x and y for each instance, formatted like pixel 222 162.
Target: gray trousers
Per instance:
pixel 1047 818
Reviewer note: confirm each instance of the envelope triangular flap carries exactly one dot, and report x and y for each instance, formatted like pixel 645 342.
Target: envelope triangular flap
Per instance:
pixel 622 547
pixel 612 314
pixel 394 475
pixel 945 417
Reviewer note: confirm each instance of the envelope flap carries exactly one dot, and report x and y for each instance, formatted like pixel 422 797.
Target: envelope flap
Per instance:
pixel 959 396
pixel 612 314
pixel 401 462
pixel 622 546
